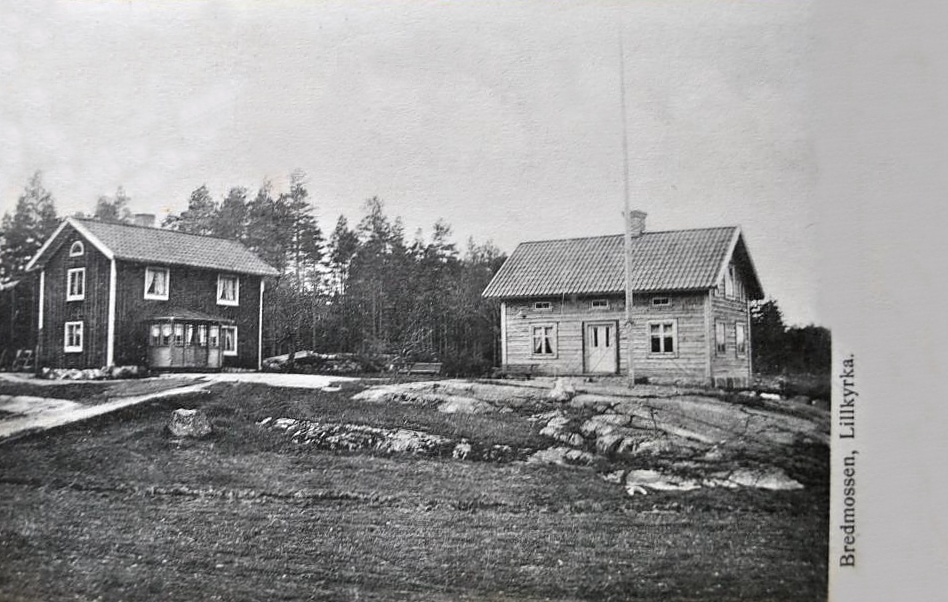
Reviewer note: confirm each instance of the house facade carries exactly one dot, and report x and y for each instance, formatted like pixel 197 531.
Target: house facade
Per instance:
pixel 563 306
pixel 116 294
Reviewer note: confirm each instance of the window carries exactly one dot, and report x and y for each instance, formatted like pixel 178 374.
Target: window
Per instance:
pixel 720 337
pixel 166 335
pixel 156 283
pixel 543 306
pixel 202 335
pixel 740 338
pixel 76 284
pixel 228 290
pixel 178 335
pixel 213 334
pixel 76 250
pixel 663 337
pixel 660 301
pixel 72 341
pixel 154 335
pixel 599 304
pixel 729 282
pixel 229 339
pixel 544 340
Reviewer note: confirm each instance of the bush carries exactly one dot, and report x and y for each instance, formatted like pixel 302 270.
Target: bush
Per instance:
pixel 465 364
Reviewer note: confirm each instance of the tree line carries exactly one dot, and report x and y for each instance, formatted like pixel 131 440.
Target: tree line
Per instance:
pixel 365 288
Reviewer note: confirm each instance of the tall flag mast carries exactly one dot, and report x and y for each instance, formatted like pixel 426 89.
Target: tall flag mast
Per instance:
pixel 627 216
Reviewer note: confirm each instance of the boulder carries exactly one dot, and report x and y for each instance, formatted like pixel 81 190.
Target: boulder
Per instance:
pixel 563 390
pixel 464 405
pixel 189 423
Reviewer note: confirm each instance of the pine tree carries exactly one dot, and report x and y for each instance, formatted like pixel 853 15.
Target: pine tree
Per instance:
pixel 25 231
pixel 113 209
pixel 200 216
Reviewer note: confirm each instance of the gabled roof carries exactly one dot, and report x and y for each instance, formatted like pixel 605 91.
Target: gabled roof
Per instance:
pixel 158 246
pixel 674 260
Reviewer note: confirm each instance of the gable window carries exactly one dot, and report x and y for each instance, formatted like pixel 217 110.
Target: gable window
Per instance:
pixel 660 301
pixel 720 337
pixel 229 340
pixel 228 289
pixel 76 250
pixel 76 284
pixel 72 339
pixel 599 304
pixel 663 337
pixel 156 283
pixel 544 340
pixel 543 306
pixel 740 338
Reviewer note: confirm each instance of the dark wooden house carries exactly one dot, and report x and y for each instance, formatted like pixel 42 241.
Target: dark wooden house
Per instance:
pixel 115 294
pixel 563 306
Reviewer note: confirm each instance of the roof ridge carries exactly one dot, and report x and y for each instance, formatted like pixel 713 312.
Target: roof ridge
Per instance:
pixel 124 225
pixel 603 236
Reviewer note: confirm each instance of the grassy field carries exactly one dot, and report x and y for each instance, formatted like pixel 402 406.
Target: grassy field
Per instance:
pixel 117 509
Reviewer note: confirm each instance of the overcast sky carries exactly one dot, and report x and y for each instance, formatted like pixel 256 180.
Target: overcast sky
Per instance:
pixel 502 118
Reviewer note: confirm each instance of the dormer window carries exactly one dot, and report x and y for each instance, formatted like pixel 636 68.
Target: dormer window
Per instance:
pixel 77 250
pixel 156 284
pixel 228 289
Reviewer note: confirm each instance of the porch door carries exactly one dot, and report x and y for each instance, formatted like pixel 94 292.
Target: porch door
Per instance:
pixel 601 347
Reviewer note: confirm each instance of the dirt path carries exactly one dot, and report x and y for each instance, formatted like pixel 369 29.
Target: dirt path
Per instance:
pixel 52 415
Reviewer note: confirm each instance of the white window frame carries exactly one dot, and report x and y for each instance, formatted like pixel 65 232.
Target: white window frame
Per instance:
pixel 236 300
pixel 661 337
pixel 156 296
pixel 740 347
pixel 79 330
pixel 224 350
pixel 729 291
pixel 542 306
pixel 75 251
pixel 602 304
pixel 720 337
pixel 661 301
pixel 82 284
pixel 552 339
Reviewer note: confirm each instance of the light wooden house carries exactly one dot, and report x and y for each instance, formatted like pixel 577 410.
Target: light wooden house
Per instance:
pixel 115 294
pixel 563 306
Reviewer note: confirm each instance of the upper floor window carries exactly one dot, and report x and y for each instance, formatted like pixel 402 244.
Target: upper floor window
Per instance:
pixel 543 306
pixel 228 289
pixel 76 284
pixel 156 283
pixel 599 304
pixel 729 282
pixel 76 250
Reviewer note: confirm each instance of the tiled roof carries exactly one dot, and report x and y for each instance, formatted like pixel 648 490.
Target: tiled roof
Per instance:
pixel 183 313
pixel 154 245
pixel 661 261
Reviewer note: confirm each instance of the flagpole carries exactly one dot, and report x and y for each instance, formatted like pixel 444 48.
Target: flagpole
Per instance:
pixel 626 214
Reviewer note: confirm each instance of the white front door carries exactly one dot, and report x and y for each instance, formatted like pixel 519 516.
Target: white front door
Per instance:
pixel 600 346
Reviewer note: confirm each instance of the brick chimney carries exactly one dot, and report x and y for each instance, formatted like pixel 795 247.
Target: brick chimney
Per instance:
pixel 144 219
pixel 637 223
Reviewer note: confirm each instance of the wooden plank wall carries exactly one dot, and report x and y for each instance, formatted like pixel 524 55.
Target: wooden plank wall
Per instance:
pixel 190 288
pixel 729 368
pixel 92 311
pixel 569 314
